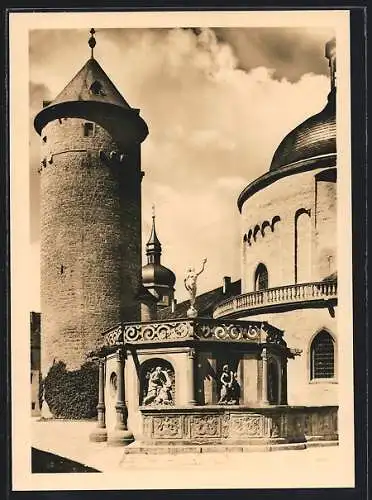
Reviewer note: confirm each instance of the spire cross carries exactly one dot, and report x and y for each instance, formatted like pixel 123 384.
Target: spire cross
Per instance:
pixel 153 210
pixel 92 42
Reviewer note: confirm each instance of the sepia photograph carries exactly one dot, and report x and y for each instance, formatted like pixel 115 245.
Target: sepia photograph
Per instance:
pixel 181 250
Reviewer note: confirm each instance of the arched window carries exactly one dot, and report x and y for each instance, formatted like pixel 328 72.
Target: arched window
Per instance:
pixel 302 264
pixel 261 278
pixel 322 354
pixel 265 224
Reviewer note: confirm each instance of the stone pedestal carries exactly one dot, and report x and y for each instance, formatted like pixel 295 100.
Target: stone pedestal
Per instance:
pixel 235 428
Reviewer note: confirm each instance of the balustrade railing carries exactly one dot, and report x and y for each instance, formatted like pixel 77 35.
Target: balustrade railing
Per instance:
pixel 279 295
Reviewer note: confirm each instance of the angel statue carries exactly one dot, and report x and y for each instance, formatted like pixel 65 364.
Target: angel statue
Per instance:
pixel 190 285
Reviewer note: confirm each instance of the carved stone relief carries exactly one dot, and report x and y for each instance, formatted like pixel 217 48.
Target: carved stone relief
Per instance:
pixel 167 427
pixel 205 426
pixel 243 425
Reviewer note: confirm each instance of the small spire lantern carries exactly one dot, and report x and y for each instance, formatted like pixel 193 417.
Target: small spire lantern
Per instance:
pixel 92 42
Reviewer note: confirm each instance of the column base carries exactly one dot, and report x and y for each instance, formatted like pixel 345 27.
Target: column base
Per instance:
pixel 120 437
pixel 98 435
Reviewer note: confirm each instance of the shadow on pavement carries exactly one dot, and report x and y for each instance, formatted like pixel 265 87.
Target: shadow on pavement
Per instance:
pixel 43 462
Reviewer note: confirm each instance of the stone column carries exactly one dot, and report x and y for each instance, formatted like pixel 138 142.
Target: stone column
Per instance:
pixel 284 392
pixel 264 399
pixel 190 374
pixel 121 436
pixel 100 432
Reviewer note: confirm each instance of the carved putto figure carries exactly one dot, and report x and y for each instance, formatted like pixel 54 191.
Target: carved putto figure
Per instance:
pixel 230 388
pixel 190 285
pixel 159 388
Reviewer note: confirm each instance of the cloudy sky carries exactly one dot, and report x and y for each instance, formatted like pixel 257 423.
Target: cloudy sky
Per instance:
pixel 217 103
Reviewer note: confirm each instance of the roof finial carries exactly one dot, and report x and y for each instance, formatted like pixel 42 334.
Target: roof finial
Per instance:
pixel 330 53
pixel 153 250
pixel 92 42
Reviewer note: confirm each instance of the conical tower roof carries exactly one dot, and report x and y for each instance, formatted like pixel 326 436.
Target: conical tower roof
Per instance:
pixel 91 84
pixel 91 89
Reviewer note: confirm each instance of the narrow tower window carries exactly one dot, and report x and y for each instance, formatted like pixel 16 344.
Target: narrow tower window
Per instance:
pixel 88 129
pixel 322 353
pixel 261 278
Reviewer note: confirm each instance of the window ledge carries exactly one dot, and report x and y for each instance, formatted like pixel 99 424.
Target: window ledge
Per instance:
pixel 323 381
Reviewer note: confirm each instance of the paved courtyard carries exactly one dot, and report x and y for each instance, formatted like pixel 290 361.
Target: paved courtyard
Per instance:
pixel 320 466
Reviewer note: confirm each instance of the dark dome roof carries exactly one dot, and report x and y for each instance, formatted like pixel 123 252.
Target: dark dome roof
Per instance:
pixel 158 275
pixel 316 136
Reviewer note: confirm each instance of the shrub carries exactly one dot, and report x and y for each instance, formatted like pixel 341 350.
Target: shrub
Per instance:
pixel 72 394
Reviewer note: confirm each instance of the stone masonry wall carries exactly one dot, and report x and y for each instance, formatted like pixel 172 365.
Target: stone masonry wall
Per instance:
pixel 90 239
pixel 325 258
pixel 269 221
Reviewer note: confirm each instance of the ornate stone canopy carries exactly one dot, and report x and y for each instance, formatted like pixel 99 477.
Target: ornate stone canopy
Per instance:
pixel 194 331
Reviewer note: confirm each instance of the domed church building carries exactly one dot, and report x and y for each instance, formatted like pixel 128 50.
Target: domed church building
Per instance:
pixel 289 251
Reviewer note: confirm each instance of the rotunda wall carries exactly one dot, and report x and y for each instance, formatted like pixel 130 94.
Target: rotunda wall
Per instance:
pixel 290 227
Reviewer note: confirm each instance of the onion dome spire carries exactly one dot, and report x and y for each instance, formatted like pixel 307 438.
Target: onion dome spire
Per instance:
pixel 92 42
pixel 155 276
pixel 153 246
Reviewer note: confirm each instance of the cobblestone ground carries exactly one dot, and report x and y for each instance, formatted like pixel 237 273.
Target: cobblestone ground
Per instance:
pixel 71 440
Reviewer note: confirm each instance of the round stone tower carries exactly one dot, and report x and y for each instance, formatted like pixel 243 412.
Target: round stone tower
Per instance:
pixel 90 215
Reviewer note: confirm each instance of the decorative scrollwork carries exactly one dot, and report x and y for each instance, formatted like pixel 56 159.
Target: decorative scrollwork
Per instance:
pixel 131 333
pixel 182 330
pixel 162 332
pixel 204 331
pixel 157 331
pixel 113 336
pixel 235 332
pixel 148 333
pixel 252 332
pixel 220 332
